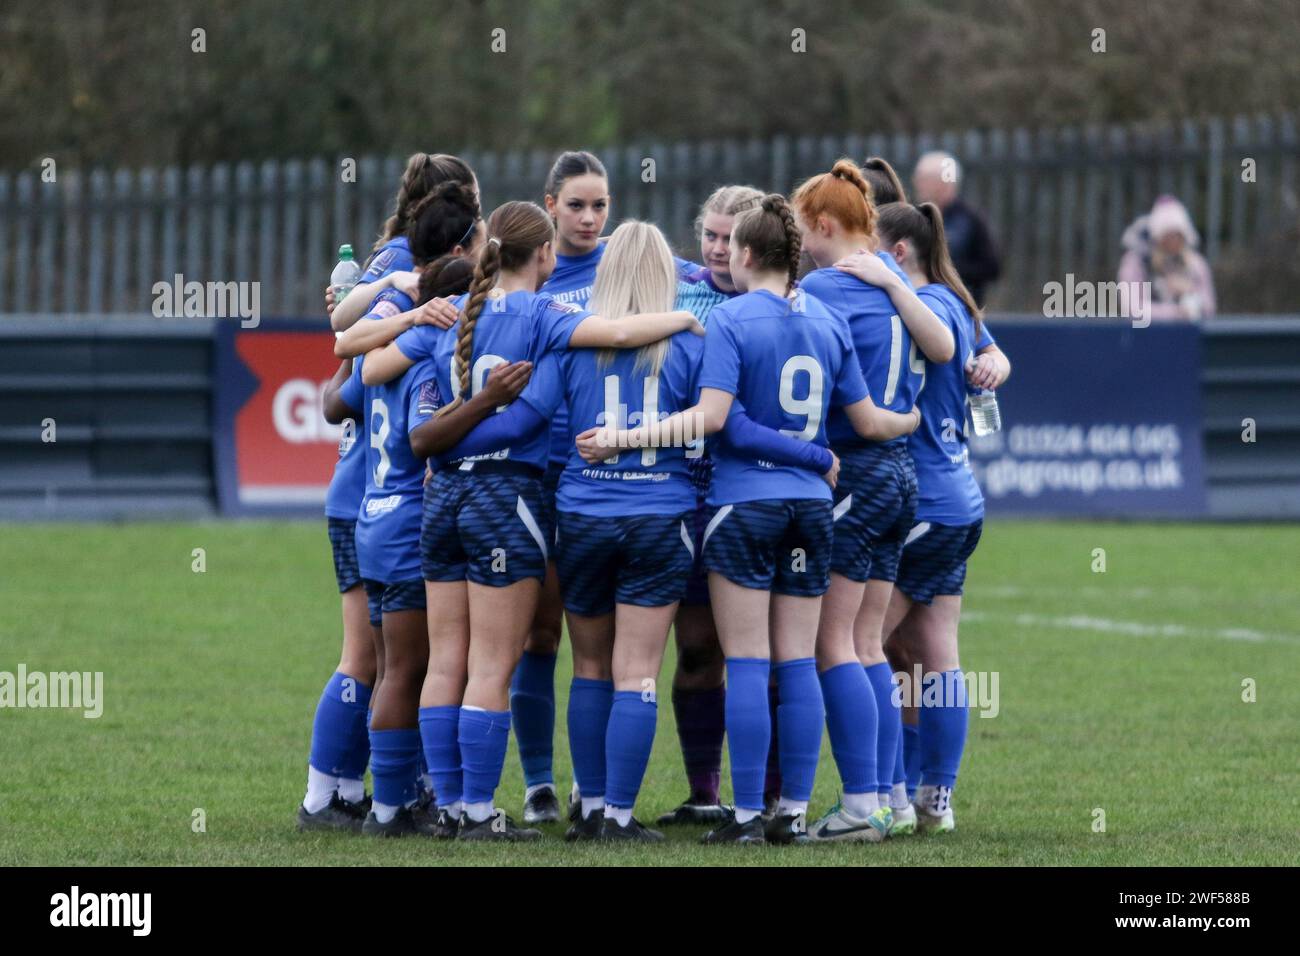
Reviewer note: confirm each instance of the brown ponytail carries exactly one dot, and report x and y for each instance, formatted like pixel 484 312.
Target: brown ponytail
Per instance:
pixel 886 187
pixel 423 174
pixel 516 230
pixel 772 235
pixel 922 226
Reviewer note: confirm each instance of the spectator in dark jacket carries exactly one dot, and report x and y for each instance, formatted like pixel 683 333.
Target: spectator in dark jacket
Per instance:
pixel 937 179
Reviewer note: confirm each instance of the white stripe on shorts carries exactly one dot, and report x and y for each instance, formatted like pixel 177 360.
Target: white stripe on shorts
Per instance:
pixel 842 508
pixel 530 523
pixel 916 532
pixel 714 522
pixel 686 540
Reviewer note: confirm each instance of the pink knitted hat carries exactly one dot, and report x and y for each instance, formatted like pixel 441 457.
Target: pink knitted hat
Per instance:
pixel 1169 215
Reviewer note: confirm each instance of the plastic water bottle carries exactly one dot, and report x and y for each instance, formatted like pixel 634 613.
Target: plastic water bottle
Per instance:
pixel 984 414
pixel 345 274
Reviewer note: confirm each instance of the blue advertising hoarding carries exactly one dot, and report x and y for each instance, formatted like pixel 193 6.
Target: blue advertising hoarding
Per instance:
pixel 1098 419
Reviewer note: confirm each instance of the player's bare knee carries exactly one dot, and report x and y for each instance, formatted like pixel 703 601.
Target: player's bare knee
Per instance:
pixel 544 638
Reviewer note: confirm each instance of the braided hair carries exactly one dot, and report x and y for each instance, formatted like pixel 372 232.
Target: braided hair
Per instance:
pixel 516 230
pixel 770 232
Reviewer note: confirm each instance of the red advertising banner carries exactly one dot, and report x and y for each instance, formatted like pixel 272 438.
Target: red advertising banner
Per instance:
pixel 274 449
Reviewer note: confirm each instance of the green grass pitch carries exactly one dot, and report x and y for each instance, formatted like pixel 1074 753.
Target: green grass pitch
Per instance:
pixel 1120 691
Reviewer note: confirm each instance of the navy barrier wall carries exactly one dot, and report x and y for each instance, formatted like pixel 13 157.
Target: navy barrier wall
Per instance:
pixel 1099 419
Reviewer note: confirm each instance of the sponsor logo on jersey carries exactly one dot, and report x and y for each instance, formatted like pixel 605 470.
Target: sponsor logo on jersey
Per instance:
pixel 382 506
pixel 560 301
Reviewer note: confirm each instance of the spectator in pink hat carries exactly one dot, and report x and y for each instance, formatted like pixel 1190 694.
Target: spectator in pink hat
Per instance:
pixel 1161 249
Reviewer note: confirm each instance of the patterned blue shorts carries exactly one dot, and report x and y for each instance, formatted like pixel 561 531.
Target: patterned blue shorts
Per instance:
pixel 642 560
pixel 934 559
pixel 779 546
pixel 487 526
pixel 550 483
pixel 875 503
pixel 343 541
pixel 389 598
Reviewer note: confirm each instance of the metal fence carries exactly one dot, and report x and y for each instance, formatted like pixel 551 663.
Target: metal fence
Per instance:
pixel 1057 201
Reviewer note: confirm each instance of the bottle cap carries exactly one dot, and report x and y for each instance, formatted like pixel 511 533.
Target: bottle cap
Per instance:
pixel 345 251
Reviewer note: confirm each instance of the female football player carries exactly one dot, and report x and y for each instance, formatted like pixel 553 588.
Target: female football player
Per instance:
pixel 577 199
pixel 699 694
pixel 875 495
pixel 388 554
pixel 925 607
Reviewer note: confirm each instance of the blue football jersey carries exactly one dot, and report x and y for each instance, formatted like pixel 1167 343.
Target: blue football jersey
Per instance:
pixel 520 326
pixel 649 481
pixel 946 489
pixel 573 277
pixel 787 369
pixel 893 368
pixel 388 527
pixel 392 256
pixel 570 283
pixel 348 484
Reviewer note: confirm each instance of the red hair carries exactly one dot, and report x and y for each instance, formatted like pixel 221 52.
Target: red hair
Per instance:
pixel 843 194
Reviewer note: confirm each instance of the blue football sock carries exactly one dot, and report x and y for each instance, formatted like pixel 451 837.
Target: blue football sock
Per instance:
pixel 589 705
pixel 532 705
pixel 851 720
pixel 483 735
pixel 912 756
pixel 439 733
pixel 800 716
pixel 942 727
pixel 393 758
pixel 628 740
pixel 772 779
pixel 340 744
pixel 889 724
pixel 749 728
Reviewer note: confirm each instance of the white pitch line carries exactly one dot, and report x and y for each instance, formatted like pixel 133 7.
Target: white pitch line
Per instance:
pixel 1105 625
pixel 1015 591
